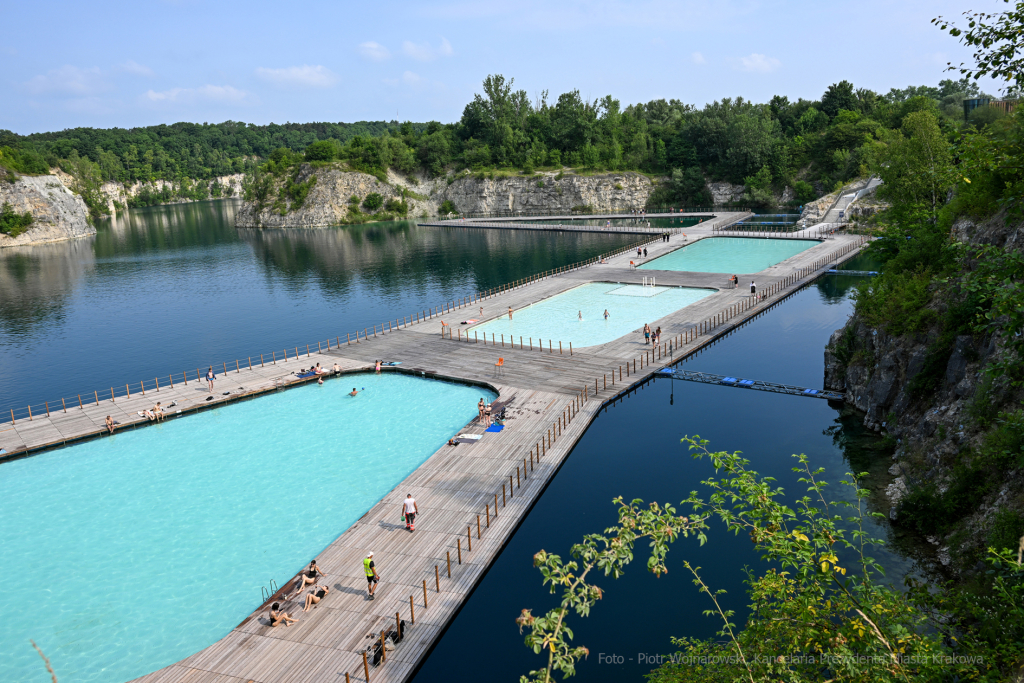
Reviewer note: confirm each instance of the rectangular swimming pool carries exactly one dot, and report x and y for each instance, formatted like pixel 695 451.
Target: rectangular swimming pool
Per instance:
pixel 577 315
pixel 136 550
pixel 730 255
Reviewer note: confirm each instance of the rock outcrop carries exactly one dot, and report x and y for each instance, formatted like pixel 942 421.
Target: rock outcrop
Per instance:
pixel 933 423
pixel 57 212
pixel 330 198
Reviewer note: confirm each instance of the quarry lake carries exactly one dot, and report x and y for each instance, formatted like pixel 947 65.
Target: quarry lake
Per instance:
pixel 172 288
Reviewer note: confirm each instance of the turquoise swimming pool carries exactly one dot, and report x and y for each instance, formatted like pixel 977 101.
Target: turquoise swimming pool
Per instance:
pixel 732 255
pixel 127 553
pixel 557 318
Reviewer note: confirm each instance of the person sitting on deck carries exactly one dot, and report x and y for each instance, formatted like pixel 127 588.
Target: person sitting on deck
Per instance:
pixel 315 595
pixel 278 617
pixel 319 370
pixel 158 411
pixel 110 424
pixel 308 577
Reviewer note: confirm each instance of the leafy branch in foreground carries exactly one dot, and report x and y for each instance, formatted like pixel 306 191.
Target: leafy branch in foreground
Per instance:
pixel 812 616
pixel 996 38
pixel 609 553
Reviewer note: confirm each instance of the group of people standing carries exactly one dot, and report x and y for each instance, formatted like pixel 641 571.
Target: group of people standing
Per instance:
pixel 483 413
pixel 651 337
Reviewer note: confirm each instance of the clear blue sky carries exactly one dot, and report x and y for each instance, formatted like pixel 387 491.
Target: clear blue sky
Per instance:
pixel 106 64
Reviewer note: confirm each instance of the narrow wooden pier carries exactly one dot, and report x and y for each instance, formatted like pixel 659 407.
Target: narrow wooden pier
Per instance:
pixel 471 496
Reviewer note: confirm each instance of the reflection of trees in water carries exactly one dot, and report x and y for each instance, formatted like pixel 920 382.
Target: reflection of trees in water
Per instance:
pixel 398 256
pixel 172 226
pixel 36 281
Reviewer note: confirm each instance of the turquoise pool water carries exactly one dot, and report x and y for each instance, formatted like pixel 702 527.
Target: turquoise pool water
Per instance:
pixel 734 255
pixel 125 554
pixel 556 318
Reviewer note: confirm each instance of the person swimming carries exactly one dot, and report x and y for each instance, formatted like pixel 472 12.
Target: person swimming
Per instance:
pixel 580 315
pixel 354 392
pixel 606 314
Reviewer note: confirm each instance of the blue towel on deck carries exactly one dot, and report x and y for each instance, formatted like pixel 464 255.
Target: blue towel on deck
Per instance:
pixel 495 428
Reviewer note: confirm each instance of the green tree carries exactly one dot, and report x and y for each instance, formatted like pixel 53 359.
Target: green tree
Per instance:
pixel 839 96
pixel 321 150
pixel 997 40
pixel 916 166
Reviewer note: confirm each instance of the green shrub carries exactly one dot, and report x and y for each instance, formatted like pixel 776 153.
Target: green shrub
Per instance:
pixel 1006 530
pixel 540 183
pixel 13 223
pixel 897 302
pixel 353 200
pixel 396 206
pixel 321 150
pixel 373 201
pixel 447 207
pixel 804 191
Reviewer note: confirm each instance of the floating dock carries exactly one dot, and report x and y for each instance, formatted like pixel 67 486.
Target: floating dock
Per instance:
pixel 741 383
pixel 472 497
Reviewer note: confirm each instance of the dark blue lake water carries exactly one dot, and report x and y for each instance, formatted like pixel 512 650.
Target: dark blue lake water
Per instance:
pixel 633 450
pixel 172 288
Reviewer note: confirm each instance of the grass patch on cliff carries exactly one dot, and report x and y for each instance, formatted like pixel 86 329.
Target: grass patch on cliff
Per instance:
pixel 13 223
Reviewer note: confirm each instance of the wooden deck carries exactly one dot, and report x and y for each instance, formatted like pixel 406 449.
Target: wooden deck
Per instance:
pixel 551 396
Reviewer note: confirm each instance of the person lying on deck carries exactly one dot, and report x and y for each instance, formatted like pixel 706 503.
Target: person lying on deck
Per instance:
pixel 315 595
pixel 278 617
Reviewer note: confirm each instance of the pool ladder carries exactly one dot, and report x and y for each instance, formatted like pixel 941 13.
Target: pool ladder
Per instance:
pixel 267 593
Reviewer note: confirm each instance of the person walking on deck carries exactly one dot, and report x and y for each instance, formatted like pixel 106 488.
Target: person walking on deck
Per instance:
pixel 753 288
pixel 370 569
pixel 509 312
pixel 410 511
pixel 647 333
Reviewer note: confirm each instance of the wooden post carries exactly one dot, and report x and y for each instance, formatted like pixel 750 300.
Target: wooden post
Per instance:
pixel 570 348
pixel 226 365
pixel 128 392
pixel 383 647
pixel 437 578
pixel 487 511
pixel 97 395
pixel 64 405
pixel 366 668
pixel 80 406
pixel 112 395
pixel 261 360
pixel 559 348
pixel 478 526
pixel 458 547
pixel 237 369
pixel 503 495
pixel 47 404
pixel 30 413
pixel 425 605
pixel 12 417
pixel 519 484
pixel 448 555
pixel 495 505
pixel 469 537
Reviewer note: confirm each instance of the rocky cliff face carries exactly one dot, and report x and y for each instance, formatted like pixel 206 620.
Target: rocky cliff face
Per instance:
pixel 935 429
pixel 560 195
pixel 58 213
pixel 328 201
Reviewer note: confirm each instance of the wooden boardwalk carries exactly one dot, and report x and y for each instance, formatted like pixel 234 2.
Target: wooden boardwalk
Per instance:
pixel 551 398
pixel 716 220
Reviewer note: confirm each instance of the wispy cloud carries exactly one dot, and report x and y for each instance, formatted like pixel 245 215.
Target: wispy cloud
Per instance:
pixel 69 80
pixel 697 58
pixel 374 51
pixel 135 68
pixel 424 52
pixel 758 63
pixel 413 81
pixel 206 93
pixel 304 76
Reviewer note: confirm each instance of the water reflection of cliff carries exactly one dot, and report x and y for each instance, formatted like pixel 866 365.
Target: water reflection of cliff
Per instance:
pixel 36 282
pixel 397 256
pixel 167 227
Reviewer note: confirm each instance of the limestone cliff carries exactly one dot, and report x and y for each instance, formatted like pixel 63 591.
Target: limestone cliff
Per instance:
pixel 58 213
pixel 935 425
pixel 330 202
